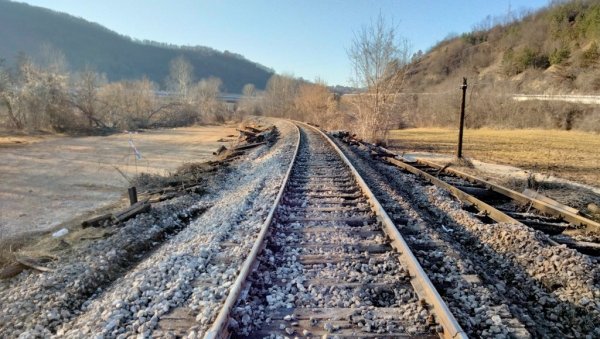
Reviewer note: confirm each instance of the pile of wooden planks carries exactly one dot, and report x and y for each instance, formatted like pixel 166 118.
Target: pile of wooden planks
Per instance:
pixel 351 139
pixel 187 179
pixel 110 219
pixel 250 136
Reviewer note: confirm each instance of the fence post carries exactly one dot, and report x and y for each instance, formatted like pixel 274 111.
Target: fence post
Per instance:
pixel 132 195
pixel 462 118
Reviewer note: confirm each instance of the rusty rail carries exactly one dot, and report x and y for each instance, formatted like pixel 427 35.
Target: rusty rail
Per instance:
pixel 219 327
pixel 421 282
pixel 540 205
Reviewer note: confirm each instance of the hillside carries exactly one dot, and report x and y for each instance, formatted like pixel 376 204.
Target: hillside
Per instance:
pixel 25 28
pixel 551 51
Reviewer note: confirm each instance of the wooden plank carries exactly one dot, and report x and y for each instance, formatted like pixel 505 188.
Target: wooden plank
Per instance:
pixel 333 195
pixel 220 150
pixel 363 246
pixel 366 230
pixel 308 210
pixel 316 259
pixel 11 270
pixel 535 195
pixel 135 209
pixel 546 227
pixel 313 320
pixel 103 220
pixel 340 285
pixel 301 190
pixel 352 221
pixel 31 263
pixel 248 146
pixel 585 247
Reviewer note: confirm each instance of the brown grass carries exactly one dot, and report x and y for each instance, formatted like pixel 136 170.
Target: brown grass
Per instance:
pixel 572 155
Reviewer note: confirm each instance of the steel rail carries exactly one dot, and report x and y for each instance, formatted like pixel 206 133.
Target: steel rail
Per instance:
pixel 487 209
pixel 219 328
pixel 540 205
pixel 421 282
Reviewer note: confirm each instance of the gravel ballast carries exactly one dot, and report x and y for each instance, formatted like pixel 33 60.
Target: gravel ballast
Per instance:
pixel 496 278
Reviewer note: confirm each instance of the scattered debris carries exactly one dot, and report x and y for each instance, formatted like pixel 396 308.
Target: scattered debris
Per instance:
pixel 593 208
pixel 535 195
pixel 132 211
pixel 220 150
pixel 100 221
pixel 32 263
pixel 60 233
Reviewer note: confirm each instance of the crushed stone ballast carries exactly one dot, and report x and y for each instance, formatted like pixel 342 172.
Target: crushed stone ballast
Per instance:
pixel 329 261
pixel 499 279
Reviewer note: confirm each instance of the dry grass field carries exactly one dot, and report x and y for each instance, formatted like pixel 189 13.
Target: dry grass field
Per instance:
pixel 570 155
pixel 49 180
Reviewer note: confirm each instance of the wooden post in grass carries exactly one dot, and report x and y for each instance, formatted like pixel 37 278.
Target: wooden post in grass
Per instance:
pixel 132 195
pixel 462 118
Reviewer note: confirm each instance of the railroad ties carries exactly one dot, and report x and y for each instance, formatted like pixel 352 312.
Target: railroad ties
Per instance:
pixel 328 268
pixel 492 202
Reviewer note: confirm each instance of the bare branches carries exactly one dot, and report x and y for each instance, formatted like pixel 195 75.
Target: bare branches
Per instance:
pixel 48 97
pixel 378 58
pixel 181 74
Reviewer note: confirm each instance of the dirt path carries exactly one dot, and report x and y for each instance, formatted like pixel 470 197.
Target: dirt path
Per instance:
pixel 48 180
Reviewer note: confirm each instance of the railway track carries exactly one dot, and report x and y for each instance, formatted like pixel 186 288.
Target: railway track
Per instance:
pixel 496 277
pixel 329 260
pixel 332 264
pixel 564 225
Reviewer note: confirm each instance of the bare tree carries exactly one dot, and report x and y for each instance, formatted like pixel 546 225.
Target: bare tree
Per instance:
pixel 205 94
pixel 38 97
pixel 84 96
pixel 52 59
pixel 378 57
pixel 8 97
pixel 181 77
pixel 249 90
pixel 278 100
pixel 129 104
pixel 250 103
pixel 312 102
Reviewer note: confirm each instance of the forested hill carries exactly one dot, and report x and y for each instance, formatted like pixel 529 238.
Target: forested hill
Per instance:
pixel 26 29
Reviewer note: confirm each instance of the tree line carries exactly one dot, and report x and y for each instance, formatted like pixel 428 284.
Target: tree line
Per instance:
pixel 44 95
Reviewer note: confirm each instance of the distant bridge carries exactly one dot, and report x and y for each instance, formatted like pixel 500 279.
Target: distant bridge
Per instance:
pixel 230 98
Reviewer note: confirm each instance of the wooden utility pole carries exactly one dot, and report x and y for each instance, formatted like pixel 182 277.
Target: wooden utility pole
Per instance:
pixel 462 118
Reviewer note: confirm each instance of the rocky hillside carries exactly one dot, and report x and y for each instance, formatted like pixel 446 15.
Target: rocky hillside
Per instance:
pixel 26 29
pixel 553 50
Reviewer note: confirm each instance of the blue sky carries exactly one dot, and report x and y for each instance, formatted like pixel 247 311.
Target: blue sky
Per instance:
pixel 306 38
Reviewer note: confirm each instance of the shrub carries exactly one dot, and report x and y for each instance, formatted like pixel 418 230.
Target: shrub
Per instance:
pixel 559 55
pixel 474 38
pixel 590 56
